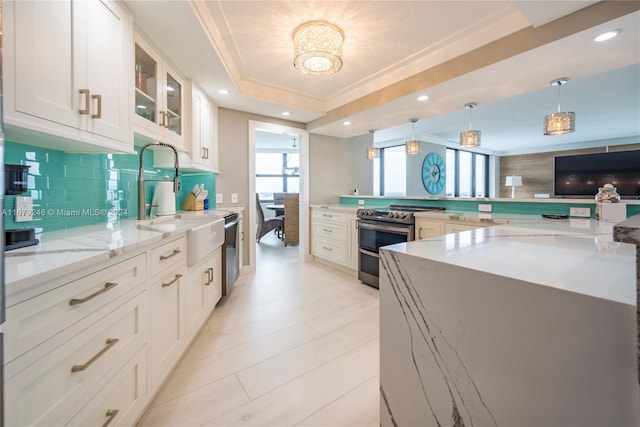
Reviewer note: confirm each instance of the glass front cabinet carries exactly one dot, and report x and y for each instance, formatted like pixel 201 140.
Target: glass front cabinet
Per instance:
pixel 159 97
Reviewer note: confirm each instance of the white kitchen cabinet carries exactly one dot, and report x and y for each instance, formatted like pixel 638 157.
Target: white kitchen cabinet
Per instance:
pixel 332 237
pixel 457 227
pixel 352 241
pixel 204 290
pixel 121 400
pixel 427 228
pixel 62 380
pixel 67 74
pixel 159 96
pixel 167 323
pixel 201 133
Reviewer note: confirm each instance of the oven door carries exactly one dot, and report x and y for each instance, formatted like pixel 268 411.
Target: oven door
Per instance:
pixel 368 267
pixel 372 235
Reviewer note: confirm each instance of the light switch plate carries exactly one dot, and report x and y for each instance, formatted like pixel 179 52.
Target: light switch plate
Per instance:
pixel 360 202
pixel 484 207
pixel 219 198
pixel 24 209
pixel 580 212
pixel 234 197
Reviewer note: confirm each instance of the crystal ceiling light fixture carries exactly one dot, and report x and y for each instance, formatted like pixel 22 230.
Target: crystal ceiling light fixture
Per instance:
pixel 470 138
pixel 412 146
pixel 317 48
pixel 372 152
pixel 559 123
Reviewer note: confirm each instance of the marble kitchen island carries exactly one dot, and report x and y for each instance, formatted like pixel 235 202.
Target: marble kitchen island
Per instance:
pixel 532 323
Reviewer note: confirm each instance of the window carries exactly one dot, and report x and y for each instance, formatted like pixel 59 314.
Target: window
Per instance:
pixel 277 173
pixel 467 174
pixel 390 172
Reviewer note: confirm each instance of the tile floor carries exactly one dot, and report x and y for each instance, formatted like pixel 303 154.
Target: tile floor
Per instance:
pixel 295 344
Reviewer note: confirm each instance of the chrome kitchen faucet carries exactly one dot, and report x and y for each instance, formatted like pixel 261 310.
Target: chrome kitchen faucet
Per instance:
pixel 142 206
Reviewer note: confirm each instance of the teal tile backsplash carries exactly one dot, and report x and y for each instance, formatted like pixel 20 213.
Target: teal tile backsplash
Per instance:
pixel 71 190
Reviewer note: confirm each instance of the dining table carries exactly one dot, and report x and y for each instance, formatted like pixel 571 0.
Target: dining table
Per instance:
pixel 278 208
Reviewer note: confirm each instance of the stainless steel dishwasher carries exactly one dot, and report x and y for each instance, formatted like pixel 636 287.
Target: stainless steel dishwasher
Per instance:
pixel 230 256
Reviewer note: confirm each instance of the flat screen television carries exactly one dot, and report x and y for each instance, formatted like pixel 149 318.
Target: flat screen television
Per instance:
pixel 582 175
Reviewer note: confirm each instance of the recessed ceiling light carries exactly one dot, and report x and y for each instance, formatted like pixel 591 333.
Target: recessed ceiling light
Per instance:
pixel 607 36
pixel 223 92
pixel 346 123
pixel 423 98
pixel 286 113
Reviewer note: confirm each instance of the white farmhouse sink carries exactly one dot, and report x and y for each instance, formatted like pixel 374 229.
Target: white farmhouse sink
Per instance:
pixel 205 235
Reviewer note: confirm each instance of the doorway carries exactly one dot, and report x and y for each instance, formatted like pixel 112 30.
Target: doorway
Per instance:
pixel 272 138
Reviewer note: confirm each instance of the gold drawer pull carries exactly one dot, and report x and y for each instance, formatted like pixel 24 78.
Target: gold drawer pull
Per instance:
pixel 111 414
pixel 85 110
pixel 110 343
pixel 174 253
pixel 175 279
pixel 210 275
pixel 97 115
pixel 107 286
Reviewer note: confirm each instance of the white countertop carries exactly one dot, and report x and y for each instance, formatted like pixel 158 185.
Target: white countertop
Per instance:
pixel 63 252
pixel 575 255
pixel 345 208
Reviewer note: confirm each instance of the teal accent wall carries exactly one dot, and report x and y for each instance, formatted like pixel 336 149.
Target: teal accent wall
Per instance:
pixel 71 190
pixel 498 206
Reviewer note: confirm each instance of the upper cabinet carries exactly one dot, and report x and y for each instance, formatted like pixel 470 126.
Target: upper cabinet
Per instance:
pixel 201 135
pixel 159 97
pixel 67 74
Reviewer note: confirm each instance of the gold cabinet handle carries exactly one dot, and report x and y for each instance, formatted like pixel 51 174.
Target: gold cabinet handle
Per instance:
pixel 210 275
pixel 175 279
pixel 85 110
pixel 161 119
pixel 97 115
pixel 110 343
pixel 166 122
pixel 111 414
pixel 420 233
pixel 174 253
pixel 206 153
pixel 107 286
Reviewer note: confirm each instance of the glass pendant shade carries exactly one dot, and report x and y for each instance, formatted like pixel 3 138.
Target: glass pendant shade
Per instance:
pixel 561 122
pixel 470 138
pixel 372 152
pixel 317 47
pixel 412 146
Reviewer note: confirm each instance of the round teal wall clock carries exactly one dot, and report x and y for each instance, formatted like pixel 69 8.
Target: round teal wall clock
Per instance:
pixel 433 173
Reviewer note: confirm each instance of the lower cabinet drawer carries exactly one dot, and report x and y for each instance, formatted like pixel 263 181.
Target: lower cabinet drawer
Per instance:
pixel 43 392
pixel 121 400
pixel 335 252
pixel 168 255
pixel 330 231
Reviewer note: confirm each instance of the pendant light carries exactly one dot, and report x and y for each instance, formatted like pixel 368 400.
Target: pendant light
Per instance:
pixel 412 146
pixel 559 123
pixel 372 152
pixel 470 138
pixel 294 145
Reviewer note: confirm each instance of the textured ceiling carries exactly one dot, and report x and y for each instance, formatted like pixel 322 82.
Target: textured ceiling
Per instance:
pixel 498 53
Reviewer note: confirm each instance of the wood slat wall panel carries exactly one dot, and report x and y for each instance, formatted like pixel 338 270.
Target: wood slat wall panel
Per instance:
pixel 537 169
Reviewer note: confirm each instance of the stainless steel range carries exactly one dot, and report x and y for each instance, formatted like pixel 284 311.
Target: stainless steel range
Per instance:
pixel 382 227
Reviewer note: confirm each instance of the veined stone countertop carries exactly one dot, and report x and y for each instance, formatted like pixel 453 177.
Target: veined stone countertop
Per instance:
pixel 63 252
pixel 345 208
pixel 574 255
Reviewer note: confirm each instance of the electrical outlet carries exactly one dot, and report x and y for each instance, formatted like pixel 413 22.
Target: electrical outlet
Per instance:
pixel 360 202
pixel 24 208
pixel 234 197
pixel 484 207
pixel 580 212
pixel 219 198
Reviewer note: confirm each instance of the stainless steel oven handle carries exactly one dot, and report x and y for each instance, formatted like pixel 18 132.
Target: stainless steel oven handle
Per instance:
pixel 366 252
pixel 377 227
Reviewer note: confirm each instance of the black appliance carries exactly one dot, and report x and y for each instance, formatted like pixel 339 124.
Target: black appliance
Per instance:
pixel 230 255
pixel 382 227
pixel 582 175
